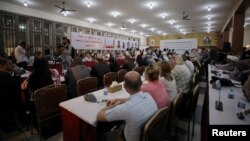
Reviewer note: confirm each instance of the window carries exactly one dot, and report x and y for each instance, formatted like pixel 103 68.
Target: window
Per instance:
pixel 88 31
pixel 37 35
pixel 9 21
pixel 48 38
pixel 23 28
pixel 99 33
pixel 9 34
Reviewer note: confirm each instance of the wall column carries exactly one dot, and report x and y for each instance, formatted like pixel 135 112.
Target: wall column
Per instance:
pixel 238 31
pixel 225 37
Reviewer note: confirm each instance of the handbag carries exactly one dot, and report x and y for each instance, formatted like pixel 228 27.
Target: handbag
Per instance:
pixel 223 81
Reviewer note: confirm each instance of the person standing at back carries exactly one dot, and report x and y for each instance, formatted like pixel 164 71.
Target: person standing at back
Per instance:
pixel 135 110
pixel 21 55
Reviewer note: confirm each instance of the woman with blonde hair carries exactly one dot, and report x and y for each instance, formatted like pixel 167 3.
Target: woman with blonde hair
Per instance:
pixel 155 87
pixel 167 79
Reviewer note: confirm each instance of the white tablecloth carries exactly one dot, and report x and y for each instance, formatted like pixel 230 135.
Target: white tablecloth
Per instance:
pixel 88 111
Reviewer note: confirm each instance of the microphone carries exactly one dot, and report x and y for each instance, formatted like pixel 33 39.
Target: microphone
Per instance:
pixel 218 103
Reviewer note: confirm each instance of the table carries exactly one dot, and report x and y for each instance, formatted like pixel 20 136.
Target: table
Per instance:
pixel 79 116
pixel 228 115
pixel 222 120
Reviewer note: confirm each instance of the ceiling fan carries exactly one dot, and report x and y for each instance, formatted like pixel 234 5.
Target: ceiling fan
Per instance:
pixel 63 10
pixel 185 16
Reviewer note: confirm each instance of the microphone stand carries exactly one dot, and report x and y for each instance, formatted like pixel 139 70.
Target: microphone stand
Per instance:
pixel 218 103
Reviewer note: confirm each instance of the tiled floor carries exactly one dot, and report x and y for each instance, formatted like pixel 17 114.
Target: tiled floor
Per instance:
pixel 26 136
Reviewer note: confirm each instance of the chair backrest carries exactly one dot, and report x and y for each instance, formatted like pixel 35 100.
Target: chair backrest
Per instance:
pixel 140 70
pixel 194 99
pixel 174 110
pixel 121 74
pixel 47 100
pixel 155 128
pixel 85 85
pixel 195 78
pixel 109 78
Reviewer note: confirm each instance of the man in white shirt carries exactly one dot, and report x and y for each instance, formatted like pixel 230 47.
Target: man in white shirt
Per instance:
pixel 135 110
pixel 20 55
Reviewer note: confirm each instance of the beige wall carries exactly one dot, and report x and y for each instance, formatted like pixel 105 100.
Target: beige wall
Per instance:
pixel 200 36
pixel 246 38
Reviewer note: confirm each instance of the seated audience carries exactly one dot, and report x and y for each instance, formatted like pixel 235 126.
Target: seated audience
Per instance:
pixel 135 110
pixel 73 75
pixel 129 63
pixel 40 77
pixel 9 86
pixel 245 54
pixel 182 75
pixel 114 67
pixel 87 58
pixel 140 61
pixel 99 70
pixel 155 87
pixel 167 79
pixel 188 63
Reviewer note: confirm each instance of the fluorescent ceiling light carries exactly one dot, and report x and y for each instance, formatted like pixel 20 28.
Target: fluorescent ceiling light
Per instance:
pixel 25 3
pixel 177 26
pixel 209 8
pixel 132 21
pixel 133 31
pixel 115 14
pixel 123 28
pixel 109 24
pixel 91 20
pixel 144 25
pixel 163 15
pixel 209 17
pixel 65 13
pixel 151 5
pixel 152 29
pixel 171 22
pixel 89 3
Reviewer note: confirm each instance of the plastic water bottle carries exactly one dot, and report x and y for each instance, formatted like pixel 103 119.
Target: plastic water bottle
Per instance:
pixel 231 94
pixel 105 91
pixel 218 85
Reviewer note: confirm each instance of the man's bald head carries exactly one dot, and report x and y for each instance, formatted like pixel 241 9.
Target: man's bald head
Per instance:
pixel 133 81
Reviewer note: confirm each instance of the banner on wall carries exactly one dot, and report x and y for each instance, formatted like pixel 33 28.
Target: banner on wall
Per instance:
pixel 86 41
pixel 179 45
pixel 109 42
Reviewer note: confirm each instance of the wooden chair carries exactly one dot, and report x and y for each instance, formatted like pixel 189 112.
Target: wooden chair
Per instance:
pixel 174 109
pixel 121 74
pixel 191 109
pixel 47 100
pixel 140 70
pixel 155 128
pixel 109 78
pixel 86 85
